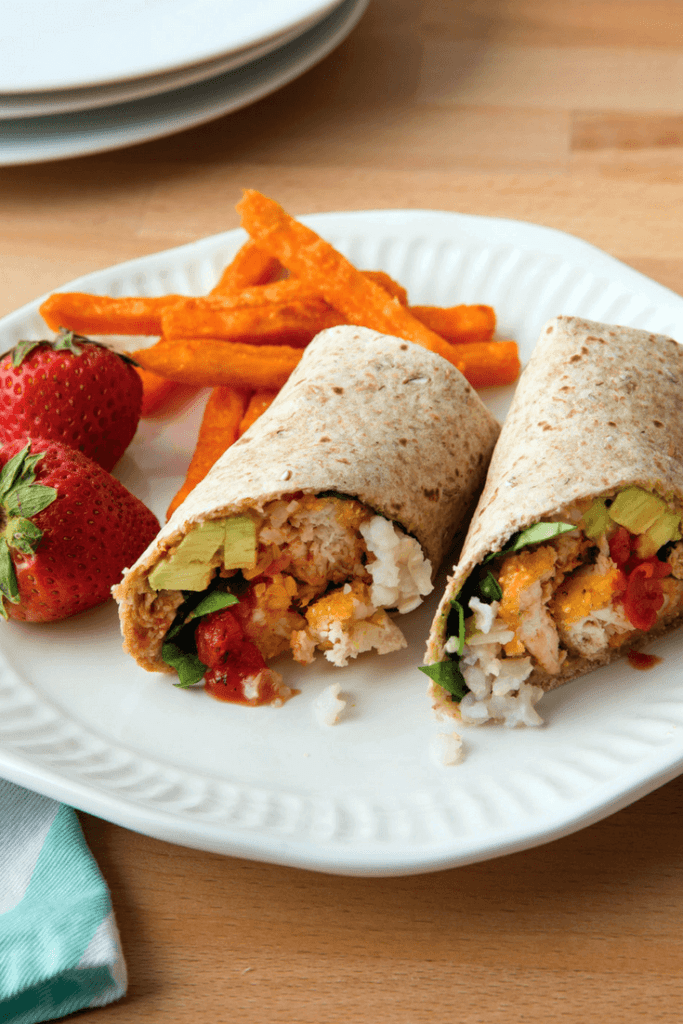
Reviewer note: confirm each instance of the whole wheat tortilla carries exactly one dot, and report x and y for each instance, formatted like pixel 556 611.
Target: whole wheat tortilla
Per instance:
pixel 597 409
pixel 363 414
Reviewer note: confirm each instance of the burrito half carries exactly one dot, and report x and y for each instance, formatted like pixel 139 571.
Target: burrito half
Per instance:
pixel 574 555
pixel 334 509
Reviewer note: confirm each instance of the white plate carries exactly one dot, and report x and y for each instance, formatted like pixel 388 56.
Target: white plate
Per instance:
pixel 81 722
pixel 57 137
pixel 64 101
pixel 78 43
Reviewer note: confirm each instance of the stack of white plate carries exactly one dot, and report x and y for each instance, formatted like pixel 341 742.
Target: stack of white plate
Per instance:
pixel 79 77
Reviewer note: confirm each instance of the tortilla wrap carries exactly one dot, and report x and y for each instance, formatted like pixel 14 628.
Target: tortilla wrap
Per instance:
pixel 364 415
pixel 596 410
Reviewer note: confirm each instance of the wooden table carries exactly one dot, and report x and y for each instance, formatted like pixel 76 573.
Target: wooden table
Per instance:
pixel 568 114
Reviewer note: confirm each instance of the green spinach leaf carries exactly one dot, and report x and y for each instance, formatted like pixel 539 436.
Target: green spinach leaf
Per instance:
pixel 448 676
pixel 490 589
pixel 188 666
pixel 532 535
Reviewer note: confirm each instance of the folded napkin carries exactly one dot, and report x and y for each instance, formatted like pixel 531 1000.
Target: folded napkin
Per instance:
pixel 59 947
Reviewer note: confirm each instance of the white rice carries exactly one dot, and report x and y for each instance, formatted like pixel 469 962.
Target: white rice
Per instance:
pixel 498 691
pixel 401 575
pixel 253 686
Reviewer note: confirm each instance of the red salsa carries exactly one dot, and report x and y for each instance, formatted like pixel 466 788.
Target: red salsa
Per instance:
pixel 643 595
pixel 231 660
pixel 642 661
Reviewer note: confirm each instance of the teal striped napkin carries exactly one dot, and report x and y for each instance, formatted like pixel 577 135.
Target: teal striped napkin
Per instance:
pixel 59 947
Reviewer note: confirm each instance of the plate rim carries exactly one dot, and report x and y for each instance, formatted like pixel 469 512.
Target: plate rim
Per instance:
pixel 160 825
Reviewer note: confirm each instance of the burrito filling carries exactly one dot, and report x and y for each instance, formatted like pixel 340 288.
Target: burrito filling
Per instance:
pixel 305 573
pixel 602 577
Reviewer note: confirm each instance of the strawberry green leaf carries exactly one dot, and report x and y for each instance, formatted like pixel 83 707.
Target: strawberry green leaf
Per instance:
pixel 14 469
pixel 19 469
pixel 28 474
pixel 28 500
pixel 23 535
pixel 20 496
pixel 9 587
pixel 66 341
pixel 22 349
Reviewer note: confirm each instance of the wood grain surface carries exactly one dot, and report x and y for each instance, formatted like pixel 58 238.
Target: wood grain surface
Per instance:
pixel 568 114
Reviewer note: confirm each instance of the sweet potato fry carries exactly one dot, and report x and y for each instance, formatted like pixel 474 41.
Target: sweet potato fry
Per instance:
pixel 487 363
pixel 156 391
pixel 99 314
pixel 250 266
pixel 222 415
pixel 288 290
pixel 396 290
pixel 359 299
pixel 258 403
pixel 209 362
pixel 458 324
pixel 294 323
pixel 277 293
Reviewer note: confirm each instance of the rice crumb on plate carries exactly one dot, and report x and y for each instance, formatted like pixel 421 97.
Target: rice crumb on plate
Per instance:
pixel 447 748
pixel 329 707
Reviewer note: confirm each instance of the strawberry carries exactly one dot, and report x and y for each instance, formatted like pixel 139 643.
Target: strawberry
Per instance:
pixel 68 529
pixel 71 390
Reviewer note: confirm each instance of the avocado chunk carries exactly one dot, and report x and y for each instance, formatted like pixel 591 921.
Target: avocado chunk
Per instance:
pixel 639 510
pixel 596 519
pixel 648 516
pixel 190 566
pixel 665 529
pixel 239 550
pixel 227 542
